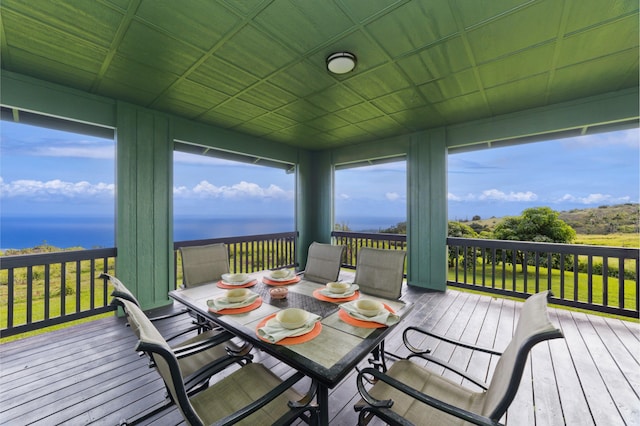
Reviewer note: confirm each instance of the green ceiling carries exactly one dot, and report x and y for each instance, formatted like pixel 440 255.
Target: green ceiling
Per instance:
pixel 258 66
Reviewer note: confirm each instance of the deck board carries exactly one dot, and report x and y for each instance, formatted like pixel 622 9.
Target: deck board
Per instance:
pixel 90 373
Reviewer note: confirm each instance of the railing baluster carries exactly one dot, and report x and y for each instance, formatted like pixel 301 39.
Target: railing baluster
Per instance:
pixel 78 283
pixel 29 294
pixel 605 280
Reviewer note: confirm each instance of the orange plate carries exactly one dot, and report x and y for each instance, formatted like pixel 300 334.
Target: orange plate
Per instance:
pixel 320 296
pixel 344 316
pixel 317 328
pixel 272 282
pixel 251 283
pixel 231 311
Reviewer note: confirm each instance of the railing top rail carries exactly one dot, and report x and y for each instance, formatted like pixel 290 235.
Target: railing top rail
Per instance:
pixel 623 252
pixel 370 236
pixel 231 240
pixel 23 260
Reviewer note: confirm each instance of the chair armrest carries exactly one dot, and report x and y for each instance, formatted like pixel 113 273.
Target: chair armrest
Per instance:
pixel 203 345
pixel 163 317
pixel 204 373
pixel 385 405
pixel 424 354
pixel 417 351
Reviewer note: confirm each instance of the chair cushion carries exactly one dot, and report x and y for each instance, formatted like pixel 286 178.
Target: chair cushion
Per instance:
pixel 380 272
pixel 430 384
pixel 191 364
pixel 204 264
pixel 323 262
pixel 239 389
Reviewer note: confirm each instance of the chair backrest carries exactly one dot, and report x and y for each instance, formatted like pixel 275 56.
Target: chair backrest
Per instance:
pixel 204 264
pixel 119 289
pixel 533 327
pixel 380 272
pixel 323 262
pixel 151 342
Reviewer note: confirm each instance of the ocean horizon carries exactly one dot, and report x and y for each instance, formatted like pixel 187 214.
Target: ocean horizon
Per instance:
pixel 99 232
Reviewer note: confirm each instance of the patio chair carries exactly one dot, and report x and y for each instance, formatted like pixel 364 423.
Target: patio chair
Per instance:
pixel 199 357
pixel 120 290
pixel 323 262
pixel 249 395
pixel 409 393
pixel 203 264
pixel 380 272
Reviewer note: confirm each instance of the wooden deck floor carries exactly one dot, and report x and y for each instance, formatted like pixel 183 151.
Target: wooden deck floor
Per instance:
pixel 89 374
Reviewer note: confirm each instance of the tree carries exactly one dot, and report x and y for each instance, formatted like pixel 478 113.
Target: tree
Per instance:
pixel 457 229
pixel 539 224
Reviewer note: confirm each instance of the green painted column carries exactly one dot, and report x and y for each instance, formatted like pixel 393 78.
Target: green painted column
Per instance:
pixel 427 210
pixel 314 201
pixel 144 227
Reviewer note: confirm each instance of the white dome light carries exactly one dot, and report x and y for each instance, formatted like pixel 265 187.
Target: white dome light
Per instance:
pixel 341 63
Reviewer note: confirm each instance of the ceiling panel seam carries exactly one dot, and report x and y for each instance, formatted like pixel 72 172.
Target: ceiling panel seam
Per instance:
pixel 125 23
pixel 562 26
pixel 244 21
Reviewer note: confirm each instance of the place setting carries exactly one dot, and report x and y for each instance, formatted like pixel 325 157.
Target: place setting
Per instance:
pixel 230 281
pixel 337 292
pixel 289 327
pixel 235 301
pixel 281 277
pixel 368 313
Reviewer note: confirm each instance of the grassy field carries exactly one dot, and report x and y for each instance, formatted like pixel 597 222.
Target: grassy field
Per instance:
pixel 610 240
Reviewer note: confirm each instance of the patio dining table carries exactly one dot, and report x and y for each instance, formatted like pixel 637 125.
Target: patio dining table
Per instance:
pixel 328 357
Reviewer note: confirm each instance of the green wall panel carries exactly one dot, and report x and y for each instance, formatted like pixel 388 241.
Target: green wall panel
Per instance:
pixel 144 231
pixel 427 211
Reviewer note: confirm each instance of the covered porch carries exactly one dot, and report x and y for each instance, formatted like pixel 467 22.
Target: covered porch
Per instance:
pixel 249 81
pixel 90 374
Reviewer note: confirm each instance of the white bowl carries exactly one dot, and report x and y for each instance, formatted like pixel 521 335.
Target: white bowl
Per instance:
pixel 235 278
pixel 292 318
pixel 338 287
pixel 280 273
pixel 368 307
pixel 237 294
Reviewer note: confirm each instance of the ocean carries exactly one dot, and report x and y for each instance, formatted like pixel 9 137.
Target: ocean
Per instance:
pixel 98 232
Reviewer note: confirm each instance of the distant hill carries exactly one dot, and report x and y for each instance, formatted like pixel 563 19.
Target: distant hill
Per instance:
pixel 624 218
pixel 621 218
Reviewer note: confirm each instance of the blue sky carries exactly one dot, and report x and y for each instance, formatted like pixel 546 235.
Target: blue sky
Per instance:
pixel 47 172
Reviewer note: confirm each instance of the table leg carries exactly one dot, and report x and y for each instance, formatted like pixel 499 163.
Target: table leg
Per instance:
pixel 323 405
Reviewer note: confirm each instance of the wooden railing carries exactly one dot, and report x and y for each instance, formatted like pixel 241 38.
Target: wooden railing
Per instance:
pixel 595 278
pixel 355 240
pixel 41 290
pixel 249 254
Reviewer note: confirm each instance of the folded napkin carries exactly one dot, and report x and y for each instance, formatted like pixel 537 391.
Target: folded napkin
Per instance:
pixel 384 317
pixel 221 303
pixel 350 292
pixel 274 332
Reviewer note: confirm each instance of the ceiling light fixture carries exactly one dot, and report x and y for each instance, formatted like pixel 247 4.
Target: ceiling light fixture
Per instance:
pixel 341 62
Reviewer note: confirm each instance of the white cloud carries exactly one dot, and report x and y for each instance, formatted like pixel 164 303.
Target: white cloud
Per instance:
pixel 344 196
pixel 241 190
pixel 392 196
pixel 495 195
pixel 594 199
pixel 54 188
